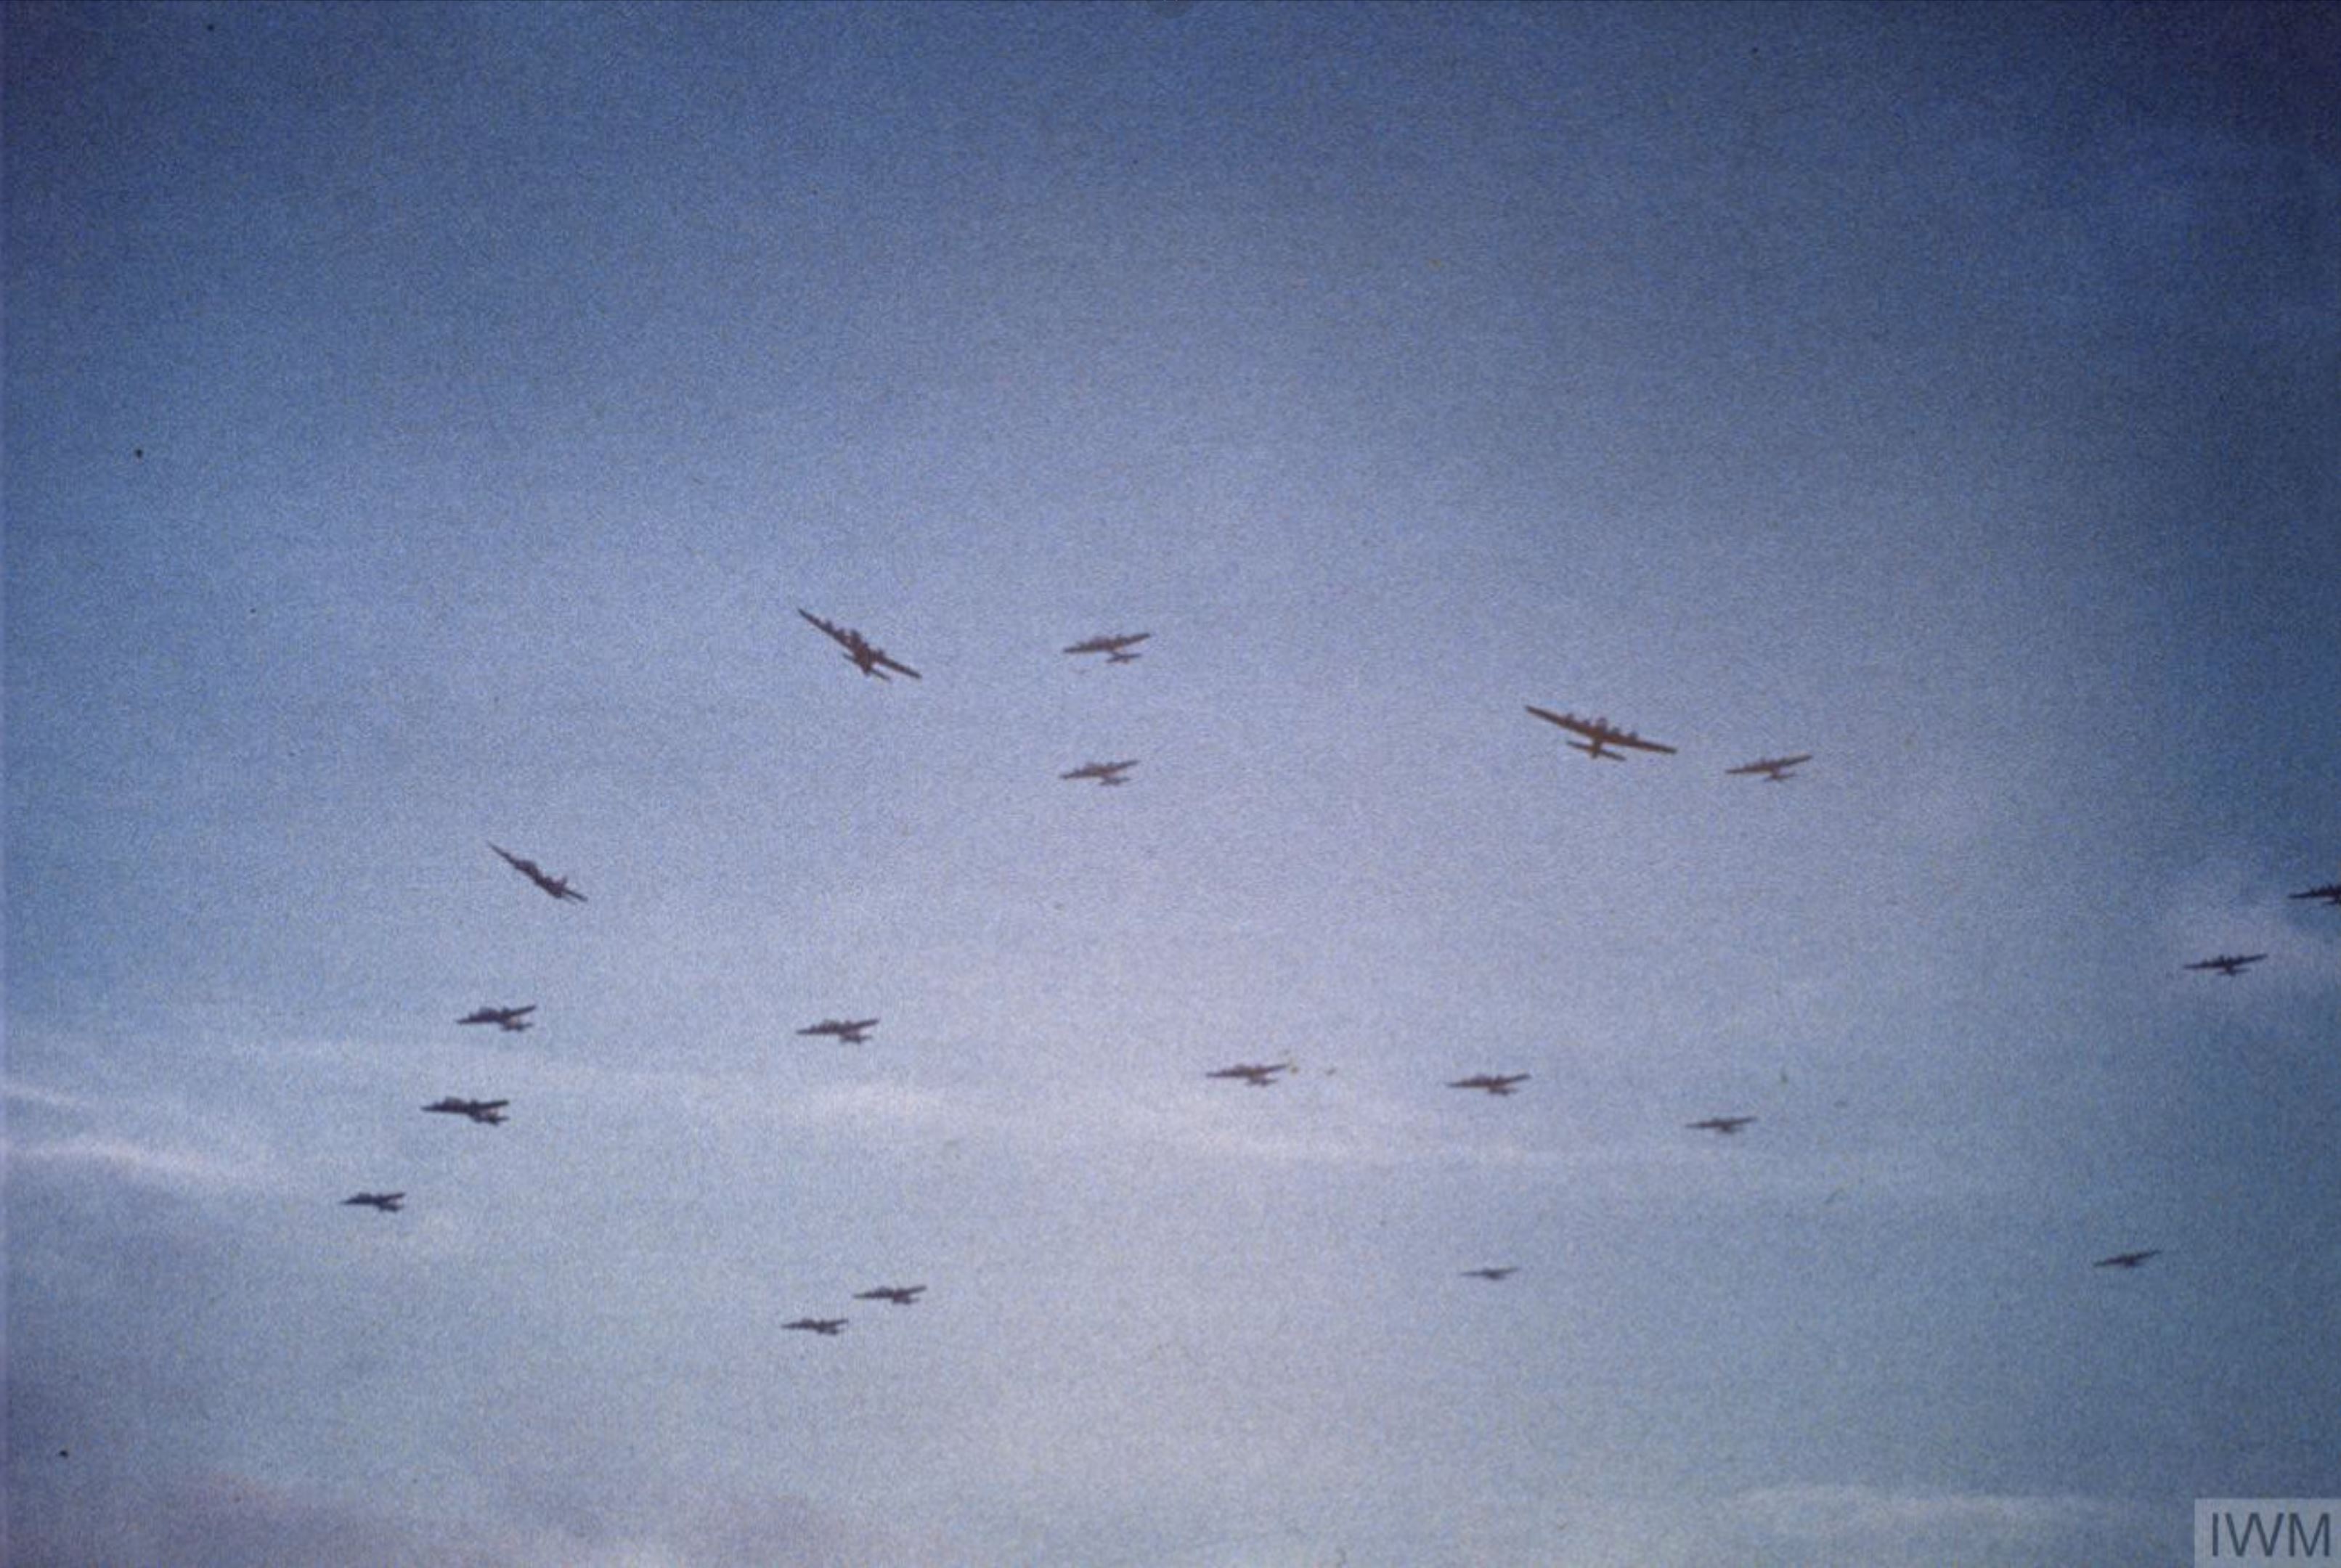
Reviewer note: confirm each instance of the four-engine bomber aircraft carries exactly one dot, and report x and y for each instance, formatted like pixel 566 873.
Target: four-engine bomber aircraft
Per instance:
pixel 2127 1259
pixel 1258 1075
pixel 860 651
pixel 2229 964
pixel 1117 650
pixel 487 1113
pixel 1775 769
pixel 900 1295
pixel 1107 774
pixel 826 1325
pixel 558 886
pixel 848 1031
pixel 1497 1084
pixel 1601 737
pixel 2330 893
pixel 1727 1126
pixel 512 1020
pixel 1492 1274
pixel 387 1202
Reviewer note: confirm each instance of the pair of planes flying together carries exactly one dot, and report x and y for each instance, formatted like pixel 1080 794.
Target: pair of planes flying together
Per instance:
pixel 871 660
pixel 831 1327
pixel 1600 740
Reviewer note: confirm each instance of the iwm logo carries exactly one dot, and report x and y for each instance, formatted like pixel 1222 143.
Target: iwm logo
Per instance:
pixel 2266 1530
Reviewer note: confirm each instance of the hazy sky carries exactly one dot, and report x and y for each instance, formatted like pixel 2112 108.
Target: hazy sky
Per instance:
pixel 424 423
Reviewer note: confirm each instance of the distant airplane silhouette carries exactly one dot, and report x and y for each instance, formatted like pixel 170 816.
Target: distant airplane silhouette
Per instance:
pixel 860 651
pixel 512 1020
pixel 487 1113
pixel 1108 774
pixel 827 1325
pixel 1504 1273
pixel 2229 964
pixel 388 1201
pixel 1259 1076
pixel 848 1031
pixel 1601 737
pixel 2330 893
pixel 900 1295
pixel 1497 1084
pixel 1115 648
pixel 2127 1259
pixel 1727 1126
pixel 1774 768
pixel 556 886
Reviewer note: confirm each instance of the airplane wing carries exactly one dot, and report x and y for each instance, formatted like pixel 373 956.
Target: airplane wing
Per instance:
pixel 843 637
pixel 1628 738
pixel 894 664
pixel 1568 721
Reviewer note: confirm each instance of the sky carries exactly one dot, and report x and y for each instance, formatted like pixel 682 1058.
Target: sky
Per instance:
pixel 424 423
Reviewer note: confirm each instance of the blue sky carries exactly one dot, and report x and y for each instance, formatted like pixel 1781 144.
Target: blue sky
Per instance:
pixel 424 422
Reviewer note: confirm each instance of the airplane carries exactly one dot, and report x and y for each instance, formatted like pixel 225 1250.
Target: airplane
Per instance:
pixel 2229 964
pixel 1774 768
pixel 1492 1273
pixel 1107 774
pixel 900 1295
pixel 2127 1259
pixel 2330 893
pixel 387 1202
pixel 860 651
pixel 1257 1076
pixel 848 1031
pixel 512 1020
pixel 826 1325
pixel 1727 1126
pixel 1495 1084
pixel 487 1113
pixel 1601 737
pixel 1115 648
pixel 557 886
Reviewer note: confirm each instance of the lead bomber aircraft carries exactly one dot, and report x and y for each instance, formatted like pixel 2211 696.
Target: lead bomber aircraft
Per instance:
pixel 1775 769
pixel 848 1031
pixel 823 1325
pixel 1601 737
pixel 2229 964
pixel 1107 774
pixel 487 1113
pixel 900 1295
pixel 1116 648
pixel 388 1201
pixel 1727 1126
pixel 510 1020
pixel 860 651
pixel 558 886
pixel 1497 1084
pixel 1259 1075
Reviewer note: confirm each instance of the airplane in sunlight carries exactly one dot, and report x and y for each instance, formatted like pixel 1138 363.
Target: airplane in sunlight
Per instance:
pixel 823 1325
pixel 388 1201
pixel 1258 1075
pixel 1107 774
pixel 900 1295
pixel 1601 737
pixel 512 1020
pixel 558 886
pixel 2127 1259
pixel 848 1031
pixel 487 1113
pixel 2229 964
pixel 2329 893
pixel 1727 1126
pixel 1497 1084
pixel 1775 769
pixel 1493 1274
pixel 1117 650
pixel 860 651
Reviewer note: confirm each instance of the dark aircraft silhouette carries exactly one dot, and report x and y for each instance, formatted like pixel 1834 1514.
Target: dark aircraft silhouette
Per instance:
pixel 860 651
pixel 387 1202
pixel 556 886
pixel 487 1113
pixel 848 1031
pixel 1117 650
pixel 1504 1273
pixel 1259 1076
pixel 827 1326
pixel 1775 769
pixel 1601 737
pixel 512 1020
pixel 2330 893
pixel 2229 964
pixel 900 1295
pixel 2127 1259
pixel 1727 1126
pixel 1495 1084
pixel 1107 774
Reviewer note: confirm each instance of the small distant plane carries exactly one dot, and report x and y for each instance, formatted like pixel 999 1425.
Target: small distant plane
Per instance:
pixel 2330 893
pixel 827 1326
pixel 487 1113
pixel 848 1031
pixel 1504 1273
pixel 1107 774
pixel 556 886
pixel 900 1295
pixel 1115 648
pixel 512 1020
pixel 1497 1084
pixel 1258 1075
pixel 1727 1126
pixel 387 1202
pixel 1601 737
pixel 860 651
pixel 2127 1259
pixel 2229 964
pixel 1775 769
